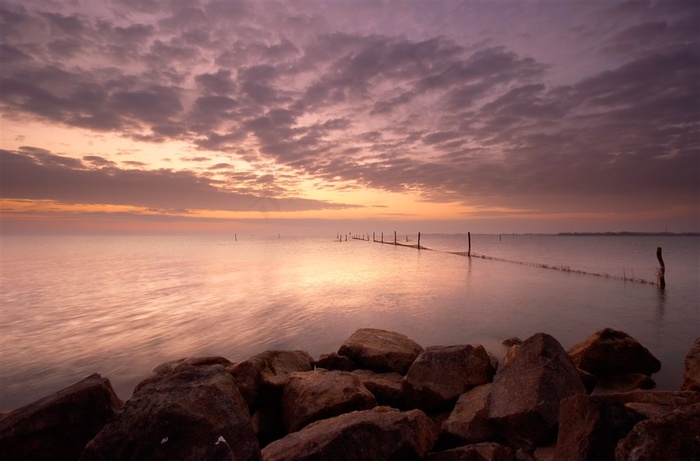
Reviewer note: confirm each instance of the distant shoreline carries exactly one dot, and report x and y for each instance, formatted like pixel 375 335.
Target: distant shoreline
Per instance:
pixel 628 234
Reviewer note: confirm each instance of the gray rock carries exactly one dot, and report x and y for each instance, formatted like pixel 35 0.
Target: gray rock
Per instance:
pixel 527 391
pixel 263 376
pixel 691 372
pixel 381 350
pixel 371 435
pixel 591 426
pixel 442 373
pixel 321 394
pixel 612 351
pixel 192 414
pixel 468 422
pixel 476 452
pixel 58 427
pixel 674 436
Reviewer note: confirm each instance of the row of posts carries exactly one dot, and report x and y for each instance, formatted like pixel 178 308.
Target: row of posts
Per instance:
pixel 374 239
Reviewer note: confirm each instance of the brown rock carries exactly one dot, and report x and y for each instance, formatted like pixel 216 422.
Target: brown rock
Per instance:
pixel 591 426
pixel 381 350
pixel 512 341
pixel 321 394
pixel 468 422
pixel 371 435
pixel 442 373
pixel 174 366
pixel 526 392
pixel 192 414
pixel 611 351
pixel 589 380
pixel 675 436
pixel 386 387
pixel 476 452
pixel 58 427
pixel 334 361
pixel 263 376
pixel 691 372
pixel 623 382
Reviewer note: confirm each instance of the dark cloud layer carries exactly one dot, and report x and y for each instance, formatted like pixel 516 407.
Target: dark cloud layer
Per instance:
pixel 452 115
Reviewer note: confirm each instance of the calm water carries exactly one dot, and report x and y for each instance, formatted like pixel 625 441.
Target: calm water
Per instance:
pixel 119 306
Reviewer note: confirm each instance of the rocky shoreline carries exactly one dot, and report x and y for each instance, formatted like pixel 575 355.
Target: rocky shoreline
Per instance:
pixel 381 396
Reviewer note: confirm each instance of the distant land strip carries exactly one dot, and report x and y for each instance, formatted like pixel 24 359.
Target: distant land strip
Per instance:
pixel 629 234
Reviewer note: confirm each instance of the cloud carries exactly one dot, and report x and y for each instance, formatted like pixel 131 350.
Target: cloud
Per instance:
pixel 40 175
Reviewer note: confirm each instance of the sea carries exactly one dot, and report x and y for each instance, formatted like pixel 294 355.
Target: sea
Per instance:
pixel 71 306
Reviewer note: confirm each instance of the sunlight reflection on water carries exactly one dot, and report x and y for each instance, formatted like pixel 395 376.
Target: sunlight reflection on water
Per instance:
pixel 120 306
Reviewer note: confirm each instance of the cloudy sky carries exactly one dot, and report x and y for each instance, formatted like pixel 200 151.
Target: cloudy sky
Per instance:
pixel 270 116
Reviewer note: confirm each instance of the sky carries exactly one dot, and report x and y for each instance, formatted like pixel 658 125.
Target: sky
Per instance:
pixel 335 116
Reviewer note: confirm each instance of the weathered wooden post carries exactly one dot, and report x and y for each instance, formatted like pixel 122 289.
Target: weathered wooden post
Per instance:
pixel 661 273
pixel 382 237
pixel 419 240
pixel 394 237
pixel 469 240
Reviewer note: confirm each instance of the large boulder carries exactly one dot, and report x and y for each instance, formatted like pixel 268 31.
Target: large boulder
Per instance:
pixel 381 350
pixel 526 392
pixel 371 435
pixel 476 452
pixel 335 361
pixel 468 422
pixel 263 376
pixel 58 427
pixel 191 414
pixel 675 436
pixel 173 366
pixel 691 372
pixel 591 426
pixel 442 373
pixel 611 351
pixel 321 394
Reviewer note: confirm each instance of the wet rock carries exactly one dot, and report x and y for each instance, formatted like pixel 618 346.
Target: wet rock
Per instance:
pixel 58 427
pixel 611 351
pixel 263 376
pixel 174 366
pixel 381 350
pixel 386 387
pixel 591 426
pixel 321 394
pixel 334 361
pixel 691 372
pixel 652 404
pixel 512 341
pixel 468 422
pixel 442 373
pixel 191 414
pixel 673 436
pixel 476 452
pixel 378 434
pixel 526 392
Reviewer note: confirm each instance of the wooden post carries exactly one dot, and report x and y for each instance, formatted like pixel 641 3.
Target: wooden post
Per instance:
pixel 662 270
pixel 382 237
pixel 373 239
pixel 419 240
pixel 469 240
pixel 394 237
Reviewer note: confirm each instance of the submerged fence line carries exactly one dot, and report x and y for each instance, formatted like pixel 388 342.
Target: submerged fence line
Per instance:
pixel 660 281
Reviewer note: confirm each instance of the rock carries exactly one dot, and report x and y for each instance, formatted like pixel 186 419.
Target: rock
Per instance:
pixel 386 387
pixel 378 434
pixel 511 353
pixel 675 436
pixel 333 361
pixel 321 394
pixel 611 351
pixel 177 365
pixel 589 380
pixel 623 382
pixel 468 422
pixel 57 427
pixel 191 414
pixel 691 372
pixel 381 350
pixel 591 426
pixel 476 452
pixel 442 373
pixel 512 341
pixel 526 392
pixel 263 376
